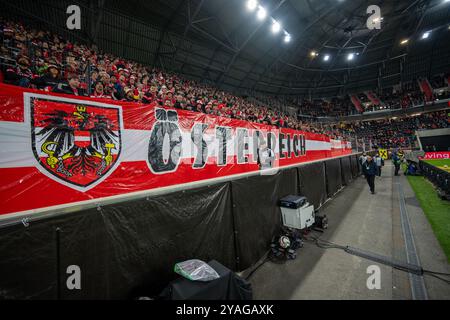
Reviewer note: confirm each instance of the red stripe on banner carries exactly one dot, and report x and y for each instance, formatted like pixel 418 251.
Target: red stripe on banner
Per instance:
pixel 11 103
pixel 27 188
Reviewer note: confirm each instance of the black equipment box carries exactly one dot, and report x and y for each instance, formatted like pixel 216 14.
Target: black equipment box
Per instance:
pixel 293 201
pixel 228 287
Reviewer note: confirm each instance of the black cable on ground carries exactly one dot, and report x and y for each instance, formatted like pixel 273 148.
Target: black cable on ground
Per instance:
pixel 325 244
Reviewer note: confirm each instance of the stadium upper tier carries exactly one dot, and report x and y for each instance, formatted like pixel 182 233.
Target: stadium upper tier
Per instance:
pixel 43 60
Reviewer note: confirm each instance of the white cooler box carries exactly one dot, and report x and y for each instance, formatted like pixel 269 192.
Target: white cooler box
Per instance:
pixel 299 218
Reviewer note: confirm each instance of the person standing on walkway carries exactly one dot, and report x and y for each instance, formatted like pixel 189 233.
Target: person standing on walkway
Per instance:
pixel 379 163
pixel 370 170
pixel 396 161
pixel 362 160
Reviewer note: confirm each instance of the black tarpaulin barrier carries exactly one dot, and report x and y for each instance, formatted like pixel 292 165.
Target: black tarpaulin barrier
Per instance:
pixel 122 250
pixel 256 212
pixel 28 262
pixel 312 183
pixel 346 170
pixel 358 165
pixel 83 243
pixel 333 174
pixel 147 237
pixel 354 165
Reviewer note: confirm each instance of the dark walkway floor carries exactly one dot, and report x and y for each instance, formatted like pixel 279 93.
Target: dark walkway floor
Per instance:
pixel 365 221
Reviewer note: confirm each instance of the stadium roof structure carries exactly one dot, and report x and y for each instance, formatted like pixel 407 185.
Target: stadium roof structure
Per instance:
pixel 223 43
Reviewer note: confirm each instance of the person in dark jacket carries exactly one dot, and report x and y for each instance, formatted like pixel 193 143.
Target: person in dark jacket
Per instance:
pixel 370 171
pixel 396 161
pixel 49 80
pixel 71 86
pixel 20 75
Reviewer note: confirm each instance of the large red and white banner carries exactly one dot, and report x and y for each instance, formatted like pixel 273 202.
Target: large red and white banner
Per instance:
pixel 58 150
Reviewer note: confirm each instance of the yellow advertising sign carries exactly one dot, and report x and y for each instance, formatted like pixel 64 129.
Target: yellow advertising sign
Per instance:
pixel 383 153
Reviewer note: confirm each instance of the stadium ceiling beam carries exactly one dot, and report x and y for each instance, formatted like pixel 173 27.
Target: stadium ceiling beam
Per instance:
pixel 231 34
pixel 244 44
pixel 374 35
pixel 299 44
pixel 193 24
pixel 346 69
pixel 191 17
pixel 365 47
pixel 210 36
pixel 165 29
pixel 97 16
pixel 334 63
pixel 270 49
pixel 345 44
pixel 329 38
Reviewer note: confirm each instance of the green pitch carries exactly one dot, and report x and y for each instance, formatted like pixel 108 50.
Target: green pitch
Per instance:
pixel 436 210
pixel 441 163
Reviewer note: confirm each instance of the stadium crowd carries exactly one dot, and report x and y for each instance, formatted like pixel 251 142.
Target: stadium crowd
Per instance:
pixel 396 132
pixel 42 60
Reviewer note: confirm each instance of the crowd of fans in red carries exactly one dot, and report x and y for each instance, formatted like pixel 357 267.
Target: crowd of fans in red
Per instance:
pixel 43 60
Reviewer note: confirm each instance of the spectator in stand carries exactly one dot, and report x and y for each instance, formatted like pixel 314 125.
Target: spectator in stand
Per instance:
pixel 48 81
pixel 99 91
pixel 70 86
pixel 22 74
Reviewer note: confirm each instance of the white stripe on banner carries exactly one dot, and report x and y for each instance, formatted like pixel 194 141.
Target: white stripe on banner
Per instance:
pixel 16 151
pixel 82 138
pixel 15 145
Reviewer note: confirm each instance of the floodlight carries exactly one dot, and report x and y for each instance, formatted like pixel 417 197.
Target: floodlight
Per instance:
pixel 350 56
pixel 276 27
pixel 261 13
pixel 287 37
pixel 326 57
pixel 404 41
pixel 252 4
pixel 425 35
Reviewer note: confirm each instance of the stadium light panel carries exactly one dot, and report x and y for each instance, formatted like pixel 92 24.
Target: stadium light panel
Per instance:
pixel 252 4
pixel 350 56
pixel 261 13
pixel 425 35
pixel 326 57
pixel 276 27
pixel 287 37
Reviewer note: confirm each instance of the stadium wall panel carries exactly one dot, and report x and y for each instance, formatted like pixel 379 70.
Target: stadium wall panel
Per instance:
pixel 312 182
pixel 333 175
